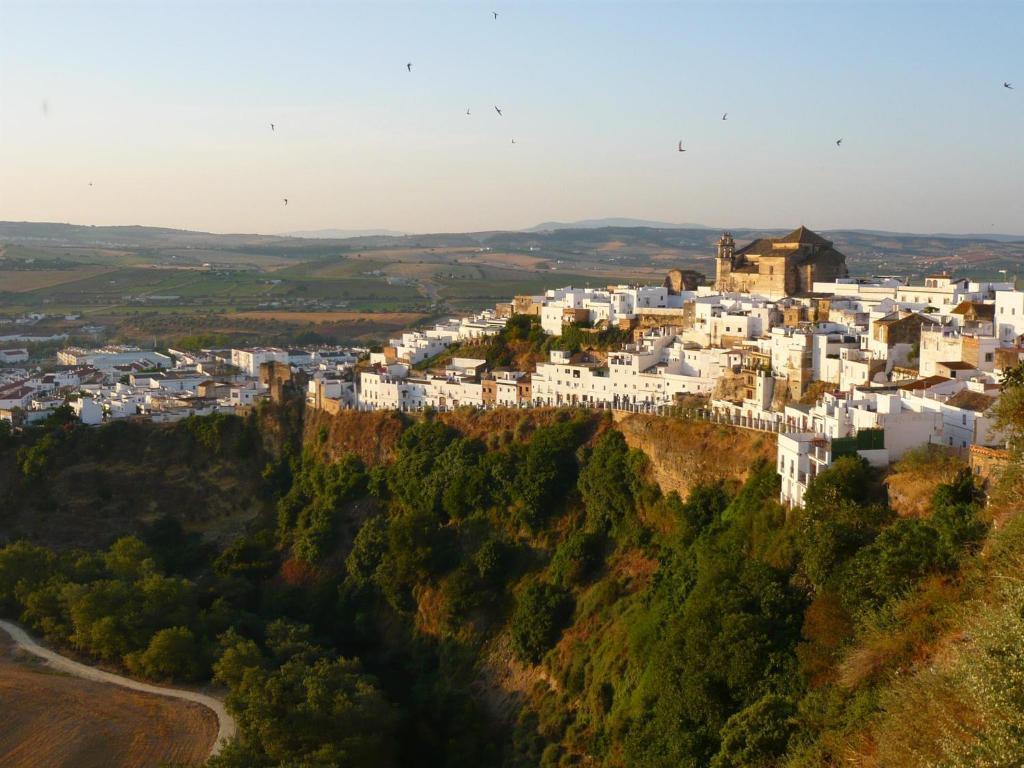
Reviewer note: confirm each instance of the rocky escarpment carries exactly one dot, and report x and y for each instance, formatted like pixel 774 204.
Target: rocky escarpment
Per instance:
pixel 686 453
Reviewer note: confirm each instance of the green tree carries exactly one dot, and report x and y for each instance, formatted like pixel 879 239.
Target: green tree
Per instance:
pixel 368 550
pixel 545 472
pixel 756 737
pixel 23 567
pixel 542 611
pixel 606 484
pixel 903 553
pixel 850 478
pixel 955 516
pixel 172 654
pixel 128 558
pixel 324 712
pixel 577 558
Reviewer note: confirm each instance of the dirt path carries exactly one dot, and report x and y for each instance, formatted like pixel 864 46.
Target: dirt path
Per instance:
pixel 226 728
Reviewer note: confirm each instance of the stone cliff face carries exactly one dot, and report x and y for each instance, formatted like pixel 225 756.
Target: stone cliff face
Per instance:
pixel 684 454
pixel 370 435
pixel 373 435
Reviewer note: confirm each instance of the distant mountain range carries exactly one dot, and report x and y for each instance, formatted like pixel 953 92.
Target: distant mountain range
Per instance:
pixel 550 226
pixel 51 232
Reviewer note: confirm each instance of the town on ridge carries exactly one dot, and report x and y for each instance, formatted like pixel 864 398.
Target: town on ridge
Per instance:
pixel 782 341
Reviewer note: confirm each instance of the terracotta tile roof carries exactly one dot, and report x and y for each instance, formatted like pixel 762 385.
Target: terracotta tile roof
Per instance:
pixel 893 317
pixel 759 247
pixel 978 402
pixel 925 383
pixel 765 246
pixel 984 311
pixel 804 236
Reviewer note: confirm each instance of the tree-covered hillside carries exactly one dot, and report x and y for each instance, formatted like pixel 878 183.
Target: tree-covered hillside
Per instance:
pixel 530 597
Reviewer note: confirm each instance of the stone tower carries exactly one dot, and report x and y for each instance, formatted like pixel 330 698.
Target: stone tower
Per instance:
pixel 726 260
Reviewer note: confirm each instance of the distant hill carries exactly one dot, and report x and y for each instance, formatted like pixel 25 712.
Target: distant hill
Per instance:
pixel 50 233
pixel 992 236
pixel 343 234
pixel 626 244
pixel 549 226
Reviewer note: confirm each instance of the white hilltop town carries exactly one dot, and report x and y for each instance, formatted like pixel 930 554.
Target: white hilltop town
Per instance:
pixel 784 341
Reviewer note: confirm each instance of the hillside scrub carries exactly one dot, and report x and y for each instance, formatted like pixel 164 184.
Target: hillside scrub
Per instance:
pixel 369 611
pixel 68 485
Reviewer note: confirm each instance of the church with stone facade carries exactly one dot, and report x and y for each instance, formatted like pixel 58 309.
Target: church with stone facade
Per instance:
pixel 778 266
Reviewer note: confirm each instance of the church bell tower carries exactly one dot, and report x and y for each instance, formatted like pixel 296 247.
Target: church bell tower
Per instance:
pixel 726 261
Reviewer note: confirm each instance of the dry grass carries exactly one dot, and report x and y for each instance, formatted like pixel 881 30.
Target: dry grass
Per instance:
pixel 61 721
pixel 956 698
pixel 921 619
pixel 634 570
pixel 431 610
pixel 914 478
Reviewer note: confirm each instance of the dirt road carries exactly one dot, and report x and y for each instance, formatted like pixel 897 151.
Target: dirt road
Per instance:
pixel 226 728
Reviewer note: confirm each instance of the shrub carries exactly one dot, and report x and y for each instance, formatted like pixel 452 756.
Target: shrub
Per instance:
pixel 757 736
pixel 541 613
pixel 172 654
pixel 577 558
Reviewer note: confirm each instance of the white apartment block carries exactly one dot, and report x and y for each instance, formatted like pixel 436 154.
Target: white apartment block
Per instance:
pixel 106 359
pixel 945 343
pixel 250 360
pixel 1009 316
pixel 11 356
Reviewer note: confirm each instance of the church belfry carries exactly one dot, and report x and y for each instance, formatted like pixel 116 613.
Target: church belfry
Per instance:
pixel 726 247
pixel 726 262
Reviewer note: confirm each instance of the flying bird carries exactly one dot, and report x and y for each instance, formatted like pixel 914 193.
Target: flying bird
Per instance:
pixel 497 110
pixel 271 126
pixel 90 183
pixel 467 110
pixel 1008 85
pixel 409 66
pixel 725 115
pixel 839 142
pixel 495 15
pixel 285 200
pixel 681 147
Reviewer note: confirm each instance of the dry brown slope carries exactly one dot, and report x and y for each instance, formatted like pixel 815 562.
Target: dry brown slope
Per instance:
pixel 60 721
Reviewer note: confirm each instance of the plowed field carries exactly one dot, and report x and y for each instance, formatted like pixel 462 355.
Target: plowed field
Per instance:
pixel 51 719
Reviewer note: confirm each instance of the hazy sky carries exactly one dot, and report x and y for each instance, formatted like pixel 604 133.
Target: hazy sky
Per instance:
pixel 165 107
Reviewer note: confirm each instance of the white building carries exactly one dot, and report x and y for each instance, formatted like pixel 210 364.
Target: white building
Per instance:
pixel 250 360
pixel 1009 316
pixel 87 410
pixel 11 356
pixel 107 359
